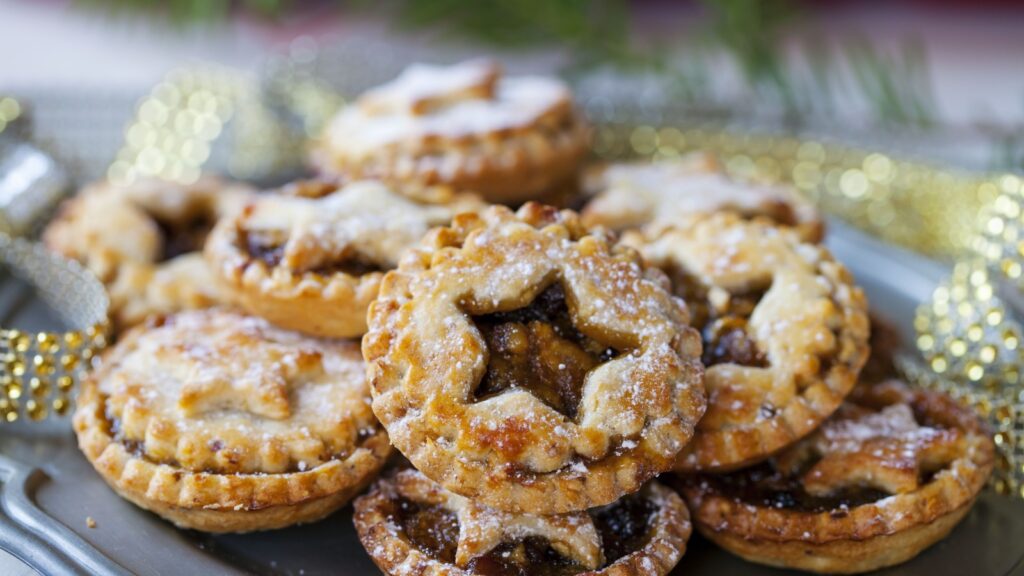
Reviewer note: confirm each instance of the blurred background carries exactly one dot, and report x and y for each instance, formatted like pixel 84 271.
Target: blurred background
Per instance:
pixel 943 79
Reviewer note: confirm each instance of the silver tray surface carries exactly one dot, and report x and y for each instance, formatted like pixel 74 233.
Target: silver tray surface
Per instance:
pixel 48 489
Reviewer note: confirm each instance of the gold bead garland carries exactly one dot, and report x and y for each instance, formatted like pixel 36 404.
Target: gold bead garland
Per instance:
pixel 971 345
pixel 40 370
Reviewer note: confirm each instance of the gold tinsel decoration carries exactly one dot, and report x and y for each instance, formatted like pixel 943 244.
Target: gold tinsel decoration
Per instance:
pixel 40 370
pixel 176 126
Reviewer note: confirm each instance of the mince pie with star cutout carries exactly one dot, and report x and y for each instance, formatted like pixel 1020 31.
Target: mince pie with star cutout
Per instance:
pixel 785 332
pixel 312 259
pixel 144 241
pixel 510 139
pixel 223 423
pixel 410 525
pixel 891 473
pixel 654 195
pixel 520 360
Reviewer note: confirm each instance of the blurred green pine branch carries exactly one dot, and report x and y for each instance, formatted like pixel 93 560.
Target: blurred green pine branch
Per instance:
pixel 596 33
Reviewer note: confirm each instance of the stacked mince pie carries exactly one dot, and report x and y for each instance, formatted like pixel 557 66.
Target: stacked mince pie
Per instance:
pixel 568 389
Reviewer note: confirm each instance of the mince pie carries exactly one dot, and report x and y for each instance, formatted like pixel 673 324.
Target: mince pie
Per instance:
pixel 891 473
pixel 410 525
pixel 144 242
pixel 669 193
pixel 312 259
pixel 510 139
pixel 518 359
pixel 784 328
pixel 223 423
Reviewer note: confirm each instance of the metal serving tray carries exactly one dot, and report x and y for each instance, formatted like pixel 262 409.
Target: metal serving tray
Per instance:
pixel 47 489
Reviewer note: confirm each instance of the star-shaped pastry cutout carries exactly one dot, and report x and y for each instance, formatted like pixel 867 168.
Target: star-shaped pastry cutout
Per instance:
pixel 226 376
pixel 886 450
pixel 482 529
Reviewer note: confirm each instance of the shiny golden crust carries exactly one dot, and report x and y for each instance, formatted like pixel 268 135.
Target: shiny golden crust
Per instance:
pixel 322 255
pixel 221 423
pixel 140 240
pixel 573 535
pixel 668 193
pixel 426 357
pixel 871 535
pixel 509 139
pixel 810 330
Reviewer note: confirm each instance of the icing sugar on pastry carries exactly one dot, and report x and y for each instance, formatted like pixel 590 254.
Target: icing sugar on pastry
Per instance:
pixel 784 328
pixel 519 359
pixel 508 138
pixel 223 423
pixel 666 193
pixel 312 260
pixel 143 242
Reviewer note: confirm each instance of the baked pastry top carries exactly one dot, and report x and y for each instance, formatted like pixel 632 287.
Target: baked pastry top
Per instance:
pixel 518 359
pixel 510 139
pixel 142 241
pixel 668 193
pixel 784 328
pixel 894 462
pixel 210 410
pixel 410 525
pixel 311 259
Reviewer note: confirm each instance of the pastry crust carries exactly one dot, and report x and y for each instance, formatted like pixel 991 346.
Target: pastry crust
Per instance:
pixel 222 423
pixel 143 240
pixel 510 139
pixel 575 537
pixel 669 193
pixel 785 332
pixel 312 259
pixel 925 456
pixel 465 313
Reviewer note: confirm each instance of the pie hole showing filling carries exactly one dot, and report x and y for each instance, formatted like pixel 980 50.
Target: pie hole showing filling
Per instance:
pixel 782 486
pixel 624 527
pixel 765 486
pixel 269 246
pixel 183 236
pixel 537 348
pixel 430 527
pixel 721 319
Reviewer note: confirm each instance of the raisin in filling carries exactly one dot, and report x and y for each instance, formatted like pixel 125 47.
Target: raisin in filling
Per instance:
pixel 723 327
pixel 431 528
pixel 763 485
pixel 537 348
pixel 268 248
pixel 531 556
pixel 624 526
pixel 183 237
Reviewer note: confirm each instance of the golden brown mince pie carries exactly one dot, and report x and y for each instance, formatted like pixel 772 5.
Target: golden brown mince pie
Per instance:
pixel 312 260
pixel 784 328
pixel 411 525
pixel 668 193
pixel 511 139
pixel 223 423
pixel 144 242
pixel 891 473
pixel 520 360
